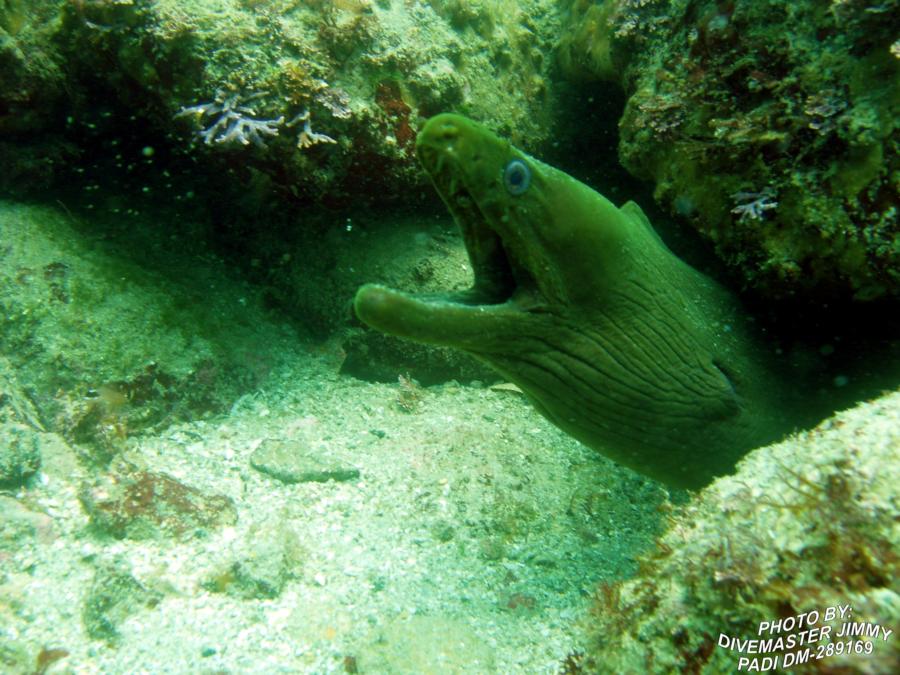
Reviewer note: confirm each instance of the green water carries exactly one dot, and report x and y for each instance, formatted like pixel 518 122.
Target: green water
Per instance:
pixel 209 464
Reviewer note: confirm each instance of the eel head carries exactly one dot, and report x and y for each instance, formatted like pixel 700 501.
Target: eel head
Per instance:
pixel 521 222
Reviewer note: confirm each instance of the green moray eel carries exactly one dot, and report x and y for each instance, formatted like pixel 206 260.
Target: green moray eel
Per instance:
pixel 611 336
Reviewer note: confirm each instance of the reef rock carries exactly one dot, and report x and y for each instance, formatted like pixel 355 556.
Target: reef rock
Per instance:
pixel 770 126
pixel 804 525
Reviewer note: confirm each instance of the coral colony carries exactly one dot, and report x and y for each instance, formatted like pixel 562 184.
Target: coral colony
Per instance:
pixel 234 123
pixel 753 205
pixel 308 137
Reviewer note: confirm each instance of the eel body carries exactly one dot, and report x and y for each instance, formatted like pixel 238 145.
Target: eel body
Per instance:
pixel 577 301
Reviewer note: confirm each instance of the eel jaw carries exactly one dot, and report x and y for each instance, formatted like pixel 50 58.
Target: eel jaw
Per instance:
pixel 501 277
pixel 478 319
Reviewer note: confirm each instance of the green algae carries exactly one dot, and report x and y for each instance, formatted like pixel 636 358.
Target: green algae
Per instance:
pixel 719 103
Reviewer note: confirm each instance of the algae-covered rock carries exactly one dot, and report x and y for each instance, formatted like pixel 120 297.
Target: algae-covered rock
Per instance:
pixel 114 595
pixel 804 525
pixel 770 126
pixel 32 91
pixel 112 345
pixel 20 454
pixel 15 406
pixel 303 100
pixel 262 565
pixel 138 504
pixel 20 439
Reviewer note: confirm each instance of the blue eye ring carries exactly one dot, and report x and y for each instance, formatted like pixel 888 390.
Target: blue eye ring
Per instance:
pixel 516 177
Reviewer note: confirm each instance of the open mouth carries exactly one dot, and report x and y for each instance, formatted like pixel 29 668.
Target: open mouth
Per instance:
pixel 499 275
pixel 461 164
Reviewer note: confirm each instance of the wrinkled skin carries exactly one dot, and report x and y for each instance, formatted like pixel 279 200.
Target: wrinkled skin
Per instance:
pixel 578 302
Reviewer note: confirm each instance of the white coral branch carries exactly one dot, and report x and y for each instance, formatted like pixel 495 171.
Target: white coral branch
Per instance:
pixel 753 205
pixel 234 125
pixel 308 137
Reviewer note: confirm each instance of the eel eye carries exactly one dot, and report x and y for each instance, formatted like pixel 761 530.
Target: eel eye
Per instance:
pixel 516 177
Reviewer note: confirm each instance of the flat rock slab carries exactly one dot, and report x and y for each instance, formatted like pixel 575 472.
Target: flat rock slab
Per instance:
pixel 293 462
